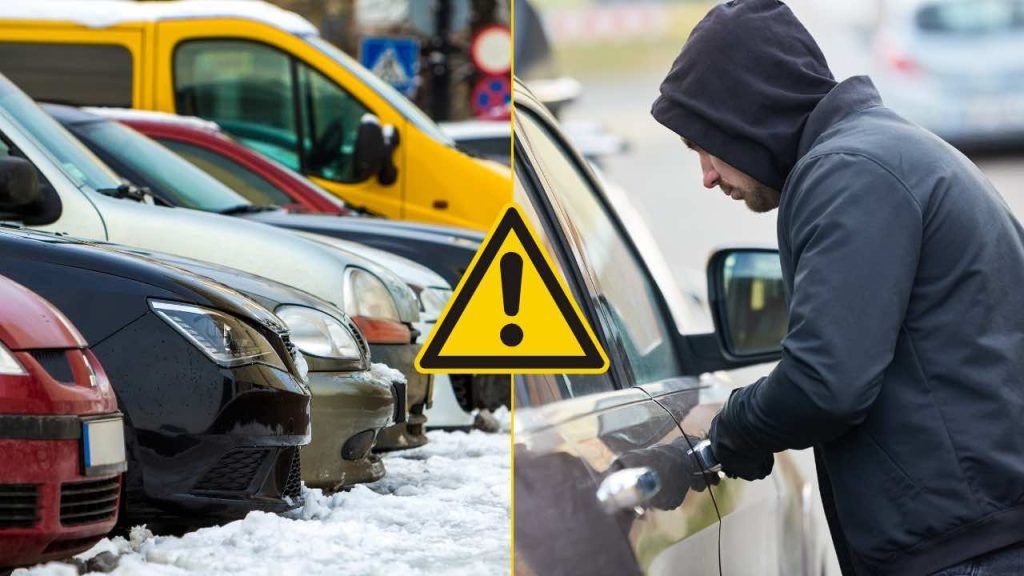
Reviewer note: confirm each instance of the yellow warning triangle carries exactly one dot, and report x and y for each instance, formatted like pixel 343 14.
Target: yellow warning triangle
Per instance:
pixel 511 313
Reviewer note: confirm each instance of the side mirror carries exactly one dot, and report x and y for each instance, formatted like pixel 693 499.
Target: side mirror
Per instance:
pixel 373 148
pixel 19 185
pixel 748 303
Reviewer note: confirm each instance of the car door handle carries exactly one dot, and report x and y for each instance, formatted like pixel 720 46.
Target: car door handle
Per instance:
pixel 440 204
pixel 628 489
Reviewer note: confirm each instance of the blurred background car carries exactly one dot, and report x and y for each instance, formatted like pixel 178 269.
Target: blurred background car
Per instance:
pixel 61 435
pixel 955 67
pixel 213 392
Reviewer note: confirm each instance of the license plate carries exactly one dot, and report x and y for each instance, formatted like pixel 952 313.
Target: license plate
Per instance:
pixel 103 445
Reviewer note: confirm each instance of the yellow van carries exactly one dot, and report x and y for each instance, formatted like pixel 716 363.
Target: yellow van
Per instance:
pixel 268 78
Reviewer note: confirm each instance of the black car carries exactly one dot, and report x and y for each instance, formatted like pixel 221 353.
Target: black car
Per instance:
pixel 213 391
pixel 176 182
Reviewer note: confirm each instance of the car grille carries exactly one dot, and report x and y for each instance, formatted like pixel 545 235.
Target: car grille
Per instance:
pixel 234 472
pixel 18 505
pixel 293 487
pixel 89 502
pixel 56 364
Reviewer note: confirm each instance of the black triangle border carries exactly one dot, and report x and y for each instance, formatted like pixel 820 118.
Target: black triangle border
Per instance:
pixel 431 359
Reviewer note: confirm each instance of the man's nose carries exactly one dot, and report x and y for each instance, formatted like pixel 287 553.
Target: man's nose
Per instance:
pixel 711 176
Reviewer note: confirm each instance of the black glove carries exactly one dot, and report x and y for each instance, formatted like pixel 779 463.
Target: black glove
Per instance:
pixel 737 461
pixel 678 471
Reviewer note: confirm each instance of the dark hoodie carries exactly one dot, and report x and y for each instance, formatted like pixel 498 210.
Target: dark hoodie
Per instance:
pixel 903 363
pixel 743 86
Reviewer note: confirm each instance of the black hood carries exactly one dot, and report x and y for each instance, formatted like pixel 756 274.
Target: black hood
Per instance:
pixel 743 86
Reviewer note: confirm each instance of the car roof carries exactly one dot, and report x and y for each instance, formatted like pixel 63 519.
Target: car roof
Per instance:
pixel 106 13
pixel 132 115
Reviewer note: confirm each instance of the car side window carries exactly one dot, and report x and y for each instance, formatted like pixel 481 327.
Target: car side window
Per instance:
pixel 70 72
pixel 330 124
pixel 272 103
pixel 239 178
pixel 538 389
pixel 246 87
pixel 614 273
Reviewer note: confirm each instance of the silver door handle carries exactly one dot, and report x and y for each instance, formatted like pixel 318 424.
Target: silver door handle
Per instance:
pixel 628 489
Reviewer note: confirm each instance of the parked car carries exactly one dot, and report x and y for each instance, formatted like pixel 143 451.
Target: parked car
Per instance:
pixel 229 186
pixel 268 78
pixel 81 196
pixel 174 180
pixel 353 402
pixel 213 391
pixel 61 435
pixel 955 67
pixel 604 483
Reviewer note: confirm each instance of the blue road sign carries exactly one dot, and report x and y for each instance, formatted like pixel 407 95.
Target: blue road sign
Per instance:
pixel 395 60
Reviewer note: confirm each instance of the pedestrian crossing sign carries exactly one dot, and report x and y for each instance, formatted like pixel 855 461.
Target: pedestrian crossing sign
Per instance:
pixel 396 60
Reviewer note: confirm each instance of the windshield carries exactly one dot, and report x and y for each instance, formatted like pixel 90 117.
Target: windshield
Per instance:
pixel 170 176
pixel 84 168
pixel 411 112
pixel 970 18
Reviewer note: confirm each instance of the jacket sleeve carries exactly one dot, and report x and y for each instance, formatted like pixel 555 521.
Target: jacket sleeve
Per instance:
pixel 854 232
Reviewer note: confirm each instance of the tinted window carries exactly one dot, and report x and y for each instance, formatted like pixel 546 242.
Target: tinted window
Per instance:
pixel 537 389
pixel 245 87
pixel 81 74
pixel 330 123
pixel 974 17
pixel 147 163
pixel 230 173
pixel 602 253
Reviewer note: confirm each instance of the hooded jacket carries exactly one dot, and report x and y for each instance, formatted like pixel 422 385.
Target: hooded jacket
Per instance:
pixel 903 364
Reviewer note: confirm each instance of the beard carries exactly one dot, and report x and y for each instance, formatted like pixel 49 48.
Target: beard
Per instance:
pixel 759 198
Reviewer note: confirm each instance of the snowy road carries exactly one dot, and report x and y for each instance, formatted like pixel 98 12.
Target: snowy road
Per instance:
pixel 441 509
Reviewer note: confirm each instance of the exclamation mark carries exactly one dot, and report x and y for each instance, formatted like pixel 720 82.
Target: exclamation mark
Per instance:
pixel 511 284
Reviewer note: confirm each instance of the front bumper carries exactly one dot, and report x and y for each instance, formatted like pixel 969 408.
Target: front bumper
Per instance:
pixel 349 411
pixel 48 508
pixel 419 393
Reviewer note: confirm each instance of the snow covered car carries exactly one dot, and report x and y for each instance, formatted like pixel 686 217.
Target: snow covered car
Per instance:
pixel 353 402
pixel 81 196
pixel 61 436
pixel 604 483
pixel 211 387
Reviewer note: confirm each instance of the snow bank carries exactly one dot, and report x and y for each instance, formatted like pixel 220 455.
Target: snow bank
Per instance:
pixel 441 509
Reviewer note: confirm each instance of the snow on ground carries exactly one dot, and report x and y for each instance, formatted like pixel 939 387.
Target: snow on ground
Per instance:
pixel 441 509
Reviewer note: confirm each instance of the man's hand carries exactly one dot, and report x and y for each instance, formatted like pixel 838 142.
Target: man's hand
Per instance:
pixel 737 463
pixel 678 470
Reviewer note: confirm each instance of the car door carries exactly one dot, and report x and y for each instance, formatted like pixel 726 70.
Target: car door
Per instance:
pixel 767 525
pixel 574 431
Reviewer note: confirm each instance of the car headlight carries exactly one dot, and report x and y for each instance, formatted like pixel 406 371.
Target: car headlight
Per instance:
pixel 9 365
pixel 433 301
pixel 319 334
pixel 225 339
pixel 367 296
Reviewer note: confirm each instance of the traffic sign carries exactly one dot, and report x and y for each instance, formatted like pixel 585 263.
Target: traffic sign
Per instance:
pixel 394 60
pixel 512 313
pixel 491 50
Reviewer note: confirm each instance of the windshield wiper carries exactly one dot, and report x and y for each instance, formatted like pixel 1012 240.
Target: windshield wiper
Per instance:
pixel 248 209
pixel 129 191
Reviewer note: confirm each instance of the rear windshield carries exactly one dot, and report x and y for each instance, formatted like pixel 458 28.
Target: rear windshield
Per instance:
pixel 170 176
pixel 972 18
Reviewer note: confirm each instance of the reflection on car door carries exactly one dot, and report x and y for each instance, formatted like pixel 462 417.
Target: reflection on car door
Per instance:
pixel 573 431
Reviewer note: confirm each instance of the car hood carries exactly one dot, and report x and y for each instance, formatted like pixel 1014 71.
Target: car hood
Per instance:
pixel 29 322
pixel 416 276
pixel 399 229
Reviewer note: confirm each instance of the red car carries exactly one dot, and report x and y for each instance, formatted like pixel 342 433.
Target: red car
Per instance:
pixel 202 142
pixel 61 435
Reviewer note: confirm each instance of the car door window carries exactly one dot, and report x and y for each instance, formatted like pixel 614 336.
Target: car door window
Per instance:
pixel 538 389
pixel 246 87
pixel 614 273
pixel 246 182
pixel 272 102
pixel 330 123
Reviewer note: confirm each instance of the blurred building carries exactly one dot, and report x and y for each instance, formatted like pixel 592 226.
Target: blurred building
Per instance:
pixel 446 82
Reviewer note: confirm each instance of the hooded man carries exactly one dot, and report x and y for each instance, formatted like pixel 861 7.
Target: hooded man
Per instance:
pixel 903 365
